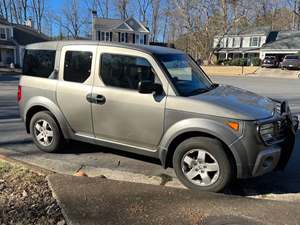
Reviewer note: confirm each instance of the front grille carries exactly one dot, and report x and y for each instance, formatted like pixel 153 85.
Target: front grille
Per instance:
pixel 273 132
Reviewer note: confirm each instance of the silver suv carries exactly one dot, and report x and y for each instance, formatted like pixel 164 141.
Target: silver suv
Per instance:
pixel 156 102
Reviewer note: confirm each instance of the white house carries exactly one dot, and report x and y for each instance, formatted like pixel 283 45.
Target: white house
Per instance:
pixel 246 44
pixel 258 42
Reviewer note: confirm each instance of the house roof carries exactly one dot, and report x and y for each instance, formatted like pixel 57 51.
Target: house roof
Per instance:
pixel 24 35
pixel 251 31
pixel 285 40
pixel 130 24
pixel 4 22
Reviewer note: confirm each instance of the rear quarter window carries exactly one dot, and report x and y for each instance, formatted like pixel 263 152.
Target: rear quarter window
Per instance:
pixel 39 63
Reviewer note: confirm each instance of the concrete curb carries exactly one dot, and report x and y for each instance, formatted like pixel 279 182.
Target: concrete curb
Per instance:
pixel 60 204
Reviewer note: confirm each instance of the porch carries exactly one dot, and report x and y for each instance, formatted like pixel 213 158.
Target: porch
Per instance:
pixel 7 55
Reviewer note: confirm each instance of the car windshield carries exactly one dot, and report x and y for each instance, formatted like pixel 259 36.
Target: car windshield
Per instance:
pixel 185 74
pixel 292 57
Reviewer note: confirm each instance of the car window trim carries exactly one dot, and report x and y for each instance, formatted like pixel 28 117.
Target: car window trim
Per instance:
pixel 128 55
pixel 63 72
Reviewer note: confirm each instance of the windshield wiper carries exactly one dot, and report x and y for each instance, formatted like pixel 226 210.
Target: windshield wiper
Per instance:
pixel 202 90
pixel 198 91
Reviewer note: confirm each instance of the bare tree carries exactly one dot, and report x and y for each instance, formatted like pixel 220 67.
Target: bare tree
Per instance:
pixel 144 6
pixel 155 18
pixel 122 7
pixel 24 5
pixel 4 9
pixel 72 19
pixel 101 6
pixel 38 8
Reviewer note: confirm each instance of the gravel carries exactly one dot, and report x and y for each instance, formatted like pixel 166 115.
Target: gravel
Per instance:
pixel 25 198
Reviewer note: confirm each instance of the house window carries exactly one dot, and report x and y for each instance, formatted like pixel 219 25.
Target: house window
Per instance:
pixel 254 41
pixel 124 37
pixel 137 38
pixel 241 43
pixel 2 33
pixel 140 39
pixel 106 36
pixel 233 42
pixel 227 42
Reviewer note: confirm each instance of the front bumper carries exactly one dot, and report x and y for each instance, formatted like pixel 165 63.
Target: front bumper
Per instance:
pixel 266 161
pixel 276 157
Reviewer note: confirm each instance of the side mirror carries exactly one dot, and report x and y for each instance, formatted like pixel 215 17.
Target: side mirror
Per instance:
pixel 148 87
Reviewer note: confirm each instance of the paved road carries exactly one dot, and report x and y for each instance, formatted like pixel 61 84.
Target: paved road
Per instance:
pixel 78 155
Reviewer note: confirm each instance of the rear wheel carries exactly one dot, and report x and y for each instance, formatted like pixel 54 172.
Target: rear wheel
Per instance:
pixel 201 163
pixel 45 132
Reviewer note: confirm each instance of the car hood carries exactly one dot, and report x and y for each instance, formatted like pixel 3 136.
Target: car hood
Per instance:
pixel 232 102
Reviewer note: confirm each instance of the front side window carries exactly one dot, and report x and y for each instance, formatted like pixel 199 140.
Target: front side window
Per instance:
pixel 39 63
pixel 185 75
pixel 77 67
pixel 125 71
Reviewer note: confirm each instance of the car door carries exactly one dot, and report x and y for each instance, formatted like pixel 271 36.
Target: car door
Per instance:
pixel 123 114
pixel 75 83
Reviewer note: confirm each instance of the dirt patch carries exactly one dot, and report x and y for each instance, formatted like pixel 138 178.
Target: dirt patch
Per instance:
pixel 25 197
pixel 229 70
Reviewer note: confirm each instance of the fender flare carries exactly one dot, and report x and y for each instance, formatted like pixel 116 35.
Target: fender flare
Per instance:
pixel 51 107
pixel 206 126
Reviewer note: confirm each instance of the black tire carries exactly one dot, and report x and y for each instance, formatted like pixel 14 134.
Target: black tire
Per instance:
pixel 57 142
pixel 215 149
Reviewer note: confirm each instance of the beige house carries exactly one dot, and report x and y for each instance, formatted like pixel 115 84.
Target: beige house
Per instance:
pixel 115 30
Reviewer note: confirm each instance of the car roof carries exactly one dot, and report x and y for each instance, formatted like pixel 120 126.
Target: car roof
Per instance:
pixel 151 49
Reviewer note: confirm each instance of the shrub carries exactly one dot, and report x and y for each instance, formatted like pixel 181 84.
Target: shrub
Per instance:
pixel 256 61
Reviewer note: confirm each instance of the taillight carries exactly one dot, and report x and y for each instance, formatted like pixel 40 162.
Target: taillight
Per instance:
pixel 19 96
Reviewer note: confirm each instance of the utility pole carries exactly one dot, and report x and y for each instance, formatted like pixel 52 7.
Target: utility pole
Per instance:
pixel 297 14
pixel 294 15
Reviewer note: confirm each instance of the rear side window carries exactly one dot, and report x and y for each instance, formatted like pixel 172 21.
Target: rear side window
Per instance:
pixel 39 63
pixel 77 66
pixel 125 71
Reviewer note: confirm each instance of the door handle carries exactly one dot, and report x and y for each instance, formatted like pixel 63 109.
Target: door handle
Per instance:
pixel 100 99
pixel 96 99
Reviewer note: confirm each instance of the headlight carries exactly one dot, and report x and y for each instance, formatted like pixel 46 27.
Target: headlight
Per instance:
pixel 266 132
pixel 272 133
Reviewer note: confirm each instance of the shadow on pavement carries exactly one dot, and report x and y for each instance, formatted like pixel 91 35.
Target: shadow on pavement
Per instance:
pixel 80 148
pixel 280 182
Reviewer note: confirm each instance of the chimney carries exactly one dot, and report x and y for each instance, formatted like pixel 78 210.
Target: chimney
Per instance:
pixel 28 23
pixel 94 16
pixel 94 13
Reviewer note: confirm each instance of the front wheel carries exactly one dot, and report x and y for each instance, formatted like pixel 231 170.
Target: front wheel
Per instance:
pixel 202 164
pixel 46 133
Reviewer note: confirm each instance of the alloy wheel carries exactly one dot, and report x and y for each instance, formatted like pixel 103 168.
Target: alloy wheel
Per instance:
pixel 43 132
pixel 200 167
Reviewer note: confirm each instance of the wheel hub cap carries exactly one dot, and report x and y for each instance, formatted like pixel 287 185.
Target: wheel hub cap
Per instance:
pixel 200 167
pixel 43 132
